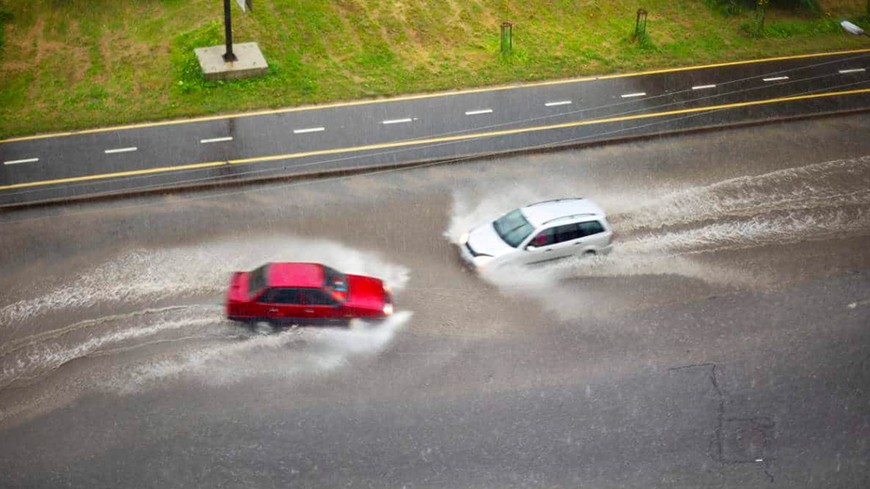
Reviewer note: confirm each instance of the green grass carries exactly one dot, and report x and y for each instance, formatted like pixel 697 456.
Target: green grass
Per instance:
pixel 72 64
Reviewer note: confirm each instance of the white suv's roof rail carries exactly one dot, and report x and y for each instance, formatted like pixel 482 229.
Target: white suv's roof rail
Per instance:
pixel 554 200
pixel 569 218
pixel 546 212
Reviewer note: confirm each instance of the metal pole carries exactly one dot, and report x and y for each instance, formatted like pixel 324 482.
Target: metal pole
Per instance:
pixel 507 42
pixel 640 23
pixel 228 29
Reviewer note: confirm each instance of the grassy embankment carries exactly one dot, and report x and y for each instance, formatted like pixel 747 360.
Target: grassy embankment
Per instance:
pixel 71 64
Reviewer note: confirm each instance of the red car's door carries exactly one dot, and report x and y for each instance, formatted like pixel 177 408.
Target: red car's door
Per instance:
pixel 281 305
pixel 320 305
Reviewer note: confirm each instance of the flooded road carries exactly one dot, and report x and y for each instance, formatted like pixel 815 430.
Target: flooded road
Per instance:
pixel 724 342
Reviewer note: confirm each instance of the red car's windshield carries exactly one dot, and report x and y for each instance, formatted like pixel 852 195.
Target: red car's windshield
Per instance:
pixel 336 283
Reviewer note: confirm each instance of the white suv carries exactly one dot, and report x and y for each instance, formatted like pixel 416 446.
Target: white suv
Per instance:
pixel 538 233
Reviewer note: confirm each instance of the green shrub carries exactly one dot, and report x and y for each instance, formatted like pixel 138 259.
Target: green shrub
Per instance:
pixel 735 7
pixel 728 8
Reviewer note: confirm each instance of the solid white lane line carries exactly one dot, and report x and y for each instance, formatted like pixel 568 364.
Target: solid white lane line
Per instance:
pixel 630 95
pixel 310 129
pixel 120 150
pixel 478 112
pixel 703 87
pixel 397 121
pixel 18 162
pixel 853 70
pixel 554 104
pixel 776 78
pixel 215 140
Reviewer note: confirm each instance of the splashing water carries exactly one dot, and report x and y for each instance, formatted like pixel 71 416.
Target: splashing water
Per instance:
pixel 281 355
pixel 659 236
pixel 145 276
pixel 135 351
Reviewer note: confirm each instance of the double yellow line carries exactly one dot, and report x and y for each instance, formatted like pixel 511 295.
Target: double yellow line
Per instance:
pixel 434 140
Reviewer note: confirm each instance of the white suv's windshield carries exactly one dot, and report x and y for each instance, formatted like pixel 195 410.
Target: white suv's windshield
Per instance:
pixel 513 227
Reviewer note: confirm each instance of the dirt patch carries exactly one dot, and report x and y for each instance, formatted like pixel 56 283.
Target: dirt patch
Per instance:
pixel 30 51
pixel 834 7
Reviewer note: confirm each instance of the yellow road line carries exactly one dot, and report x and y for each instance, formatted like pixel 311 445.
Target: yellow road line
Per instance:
pixel 105 176
pixel 443 139
pixel 427 95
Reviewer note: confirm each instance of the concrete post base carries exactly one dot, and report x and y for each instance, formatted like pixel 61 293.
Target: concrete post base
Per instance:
pixel 250 62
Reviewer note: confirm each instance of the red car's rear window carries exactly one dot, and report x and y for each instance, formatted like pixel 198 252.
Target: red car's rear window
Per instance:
pixel 257 280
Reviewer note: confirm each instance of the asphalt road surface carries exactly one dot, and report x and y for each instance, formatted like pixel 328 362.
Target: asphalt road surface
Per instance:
pixel 724 342
pixel 444 126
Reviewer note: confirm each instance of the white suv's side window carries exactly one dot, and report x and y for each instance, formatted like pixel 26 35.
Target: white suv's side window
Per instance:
pixel 590 228
pixel 544 238
pixel 568 232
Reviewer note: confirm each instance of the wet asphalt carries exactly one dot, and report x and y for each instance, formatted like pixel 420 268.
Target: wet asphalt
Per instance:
pixel 724 343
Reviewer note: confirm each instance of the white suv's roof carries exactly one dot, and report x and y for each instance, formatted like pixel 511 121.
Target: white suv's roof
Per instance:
pixel 546 211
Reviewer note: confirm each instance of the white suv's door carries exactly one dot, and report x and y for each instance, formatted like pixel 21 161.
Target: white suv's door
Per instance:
pixel 565 241
pixel 568 240
pixel 550 244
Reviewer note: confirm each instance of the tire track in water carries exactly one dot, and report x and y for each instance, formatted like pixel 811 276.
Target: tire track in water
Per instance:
pixel 18 343
pixel 741 233
pixel 822 185
pixel 31 360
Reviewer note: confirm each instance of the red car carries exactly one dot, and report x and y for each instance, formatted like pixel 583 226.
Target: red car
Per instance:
pixel 305 293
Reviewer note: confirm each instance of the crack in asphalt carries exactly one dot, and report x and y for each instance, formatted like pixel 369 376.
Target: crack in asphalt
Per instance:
pixel 756 425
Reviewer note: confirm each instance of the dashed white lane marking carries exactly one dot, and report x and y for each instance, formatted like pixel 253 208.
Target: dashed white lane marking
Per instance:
pixel 554 104
pixel 852 70
pixel 631 95
pixel 310 129
pixel 397 121
pixel 703 87
pixel 478 112
pixel 18 162
pixel 216 140
pixel 775 78
pixel 120 150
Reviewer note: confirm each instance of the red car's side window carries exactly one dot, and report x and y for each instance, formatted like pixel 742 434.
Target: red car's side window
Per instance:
pixel 281 296
pixel 317 297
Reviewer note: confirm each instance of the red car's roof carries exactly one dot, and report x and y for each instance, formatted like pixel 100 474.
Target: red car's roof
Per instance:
pixel 296 275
